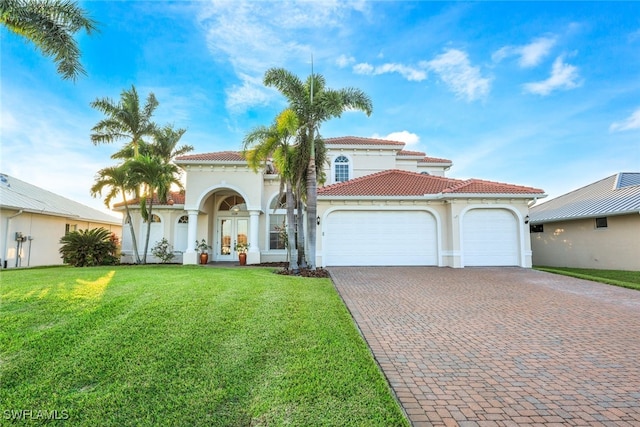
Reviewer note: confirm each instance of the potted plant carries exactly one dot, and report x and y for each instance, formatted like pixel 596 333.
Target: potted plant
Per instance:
pixel 203 248
pixel 242 249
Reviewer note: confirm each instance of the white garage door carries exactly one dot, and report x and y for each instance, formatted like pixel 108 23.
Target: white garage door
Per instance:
pixel 380 238
pixel 490 238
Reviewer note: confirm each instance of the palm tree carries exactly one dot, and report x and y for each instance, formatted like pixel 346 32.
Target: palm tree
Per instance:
pixel 314 104
pixel 125 120
pixel 50 25
pixel 164 145
pixel 116 180
pixel 274 142
pixel 156 177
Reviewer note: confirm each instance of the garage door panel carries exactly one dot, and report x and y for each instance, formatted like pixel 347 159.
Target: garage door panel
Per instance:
pixel 490 238
pixel 380 238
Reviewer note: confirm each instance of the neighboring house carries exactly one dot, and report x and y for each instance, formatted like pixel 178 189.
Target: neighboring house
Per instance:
pixel 596 226
pixel 381 205
pixel 33 220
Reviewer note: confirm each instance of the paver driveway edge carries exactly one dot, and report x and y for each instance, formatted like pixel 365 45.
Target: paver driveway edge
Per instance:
pixel 369 347
pixel 499 346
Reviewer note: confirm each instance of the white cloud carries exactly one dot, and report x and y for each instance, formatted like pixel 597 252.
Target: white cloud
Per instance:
pixel 456 71
pixel 630 123
pixel 563 76
pixel 344 61
pixel 530 54
pixel 250 92
pixel 409 73
pixel 254 36
pixel 402 136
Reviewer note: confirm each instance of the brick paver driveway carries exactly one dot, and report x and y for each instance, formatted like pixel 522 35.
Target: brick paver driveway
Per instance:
pixel 500 346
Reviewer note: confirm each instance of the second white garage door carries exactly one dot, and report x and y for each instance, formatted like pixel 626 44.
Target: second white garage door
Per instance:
pixel 380 238
pixel 490 238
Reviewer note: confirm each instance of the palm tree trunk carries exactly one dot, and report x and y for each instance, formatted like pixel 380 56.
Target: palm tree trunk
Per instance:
pixel 291 236
pixel 149 221
pixel 312 199
pixel 134 243
pixel 302 262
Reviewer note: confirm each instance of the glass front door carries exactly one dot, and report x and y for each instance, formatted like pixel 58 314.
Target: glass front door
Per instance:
pixel 231 231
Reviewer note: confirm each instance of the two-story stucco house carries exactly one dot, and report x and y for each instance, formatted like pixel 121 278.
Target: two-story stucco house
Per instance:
pixel 381 205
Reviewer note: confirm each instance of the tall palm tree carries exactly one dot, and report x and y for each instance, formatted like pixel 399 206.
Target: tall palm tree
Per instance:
pixel 116 180
pixel 156 177
pixel 314 104
pixel 50 25
pixel 274 142
pixel 125 120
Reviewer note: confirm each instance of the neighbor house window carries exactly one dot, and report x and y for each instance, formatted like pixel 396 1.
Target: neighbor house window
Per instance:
pixel 536 228
pixel 341 169
pixel 68 228
pixel 601 222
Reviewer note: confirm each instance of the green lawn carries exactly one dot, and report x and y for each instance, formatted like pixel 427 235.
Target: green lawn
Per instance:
pixel 177 345
pixel 626 279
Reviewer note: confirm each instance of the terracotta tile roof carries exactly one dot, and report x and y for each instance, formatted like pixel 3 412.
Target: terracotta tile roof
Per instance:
pixel 389 183
pixel 411 153
pixel 475 186
pixel 356 140
pixel 435 160
pixel 176 196
pixel 402 183
pixel 229 156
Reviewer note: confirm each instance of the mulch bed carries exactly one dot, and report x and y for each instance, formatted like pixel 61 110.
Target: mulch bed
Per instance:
pixel 304 272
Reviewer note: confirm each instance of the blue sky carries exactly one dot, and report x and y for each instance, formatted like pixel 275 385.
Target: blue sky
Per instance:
pixel 538 94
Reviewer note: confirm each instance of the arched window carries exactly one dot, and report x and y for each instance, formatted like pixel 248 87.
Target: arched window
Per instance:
pixel 181 233
pixel 230 202
pixel 277 223
pixel 341 169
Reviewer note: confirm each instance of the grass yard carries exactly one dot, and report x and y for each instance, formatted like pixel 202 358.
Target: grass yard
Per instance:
pixel 626 279
pixel 184 345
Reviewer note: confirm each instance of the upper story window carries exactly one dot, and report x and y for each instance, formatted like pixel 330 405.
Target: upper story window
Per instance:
pixel 341 169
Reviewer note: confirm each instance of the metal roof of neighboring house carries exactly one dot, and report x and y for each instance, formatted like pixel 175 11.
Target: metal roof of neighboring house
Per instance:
pixel 400 183
pixel 20 195
pixel 615 195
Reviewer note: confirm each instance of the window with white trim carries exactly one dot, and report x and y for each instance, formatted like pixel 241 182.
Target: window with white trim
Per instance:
pixel 341 169
pixel 278 223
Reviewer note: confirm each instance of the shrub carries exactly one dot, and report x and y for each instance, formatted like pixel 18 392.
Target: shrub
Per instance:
pixel 87 248
pixel 163 250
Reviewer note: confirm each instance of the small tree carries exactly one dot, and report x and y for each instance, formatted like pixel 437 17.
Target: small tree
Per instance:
pixel 163 250
pixel 88 248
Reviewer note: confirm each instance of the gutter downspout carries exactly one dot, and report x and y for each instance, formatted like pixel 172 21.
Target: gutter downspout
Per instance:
pixel 6 233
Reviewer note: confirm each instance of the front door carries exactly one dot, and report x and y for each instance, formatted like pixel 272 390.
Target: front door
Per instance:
pixel 231 231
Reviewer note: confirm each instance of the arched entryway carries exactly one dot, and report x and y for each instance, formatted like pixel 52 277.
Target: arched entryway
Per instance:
pixel 230 228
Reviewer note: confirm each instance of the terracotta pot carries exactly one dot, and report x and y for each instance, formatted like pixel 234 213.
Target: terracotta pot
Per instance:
pixel 204 258
pixel 243 258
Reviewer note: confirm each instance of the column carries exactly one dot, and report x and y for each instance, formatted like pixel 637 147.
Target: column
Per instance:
pixel 191 256
pixel 253 256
